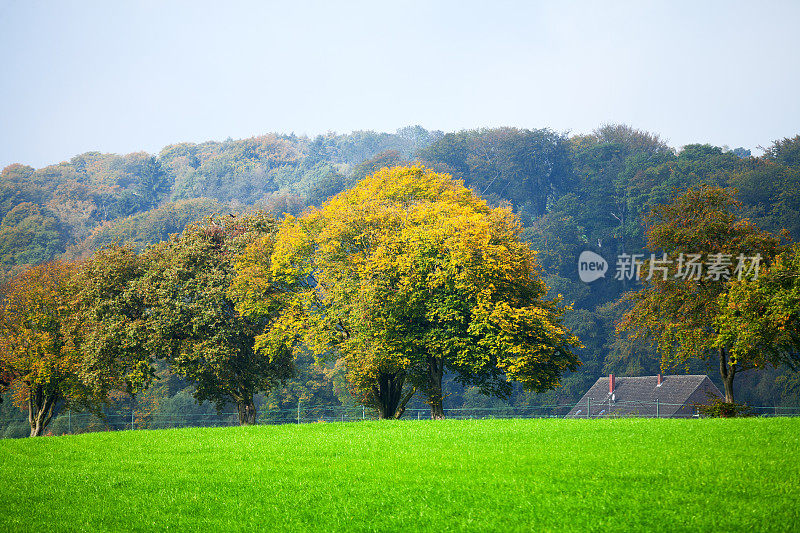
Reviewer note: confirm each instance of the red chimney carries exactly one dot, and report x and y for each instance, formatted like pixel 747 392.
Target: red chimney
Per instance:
pixel 660 379
pixel 611 383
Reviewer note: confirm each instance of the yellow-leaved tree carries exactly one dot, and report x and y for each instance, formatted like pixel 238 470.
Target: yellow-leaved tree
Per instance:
pixel 407 274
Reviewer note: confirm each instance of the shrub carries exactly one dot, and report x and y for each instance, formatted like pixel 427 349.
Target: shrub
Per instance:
pixel 719 408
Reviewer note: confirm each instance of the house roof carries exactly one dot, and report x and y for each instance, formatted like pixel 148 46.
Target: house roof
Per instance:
pixel 643 396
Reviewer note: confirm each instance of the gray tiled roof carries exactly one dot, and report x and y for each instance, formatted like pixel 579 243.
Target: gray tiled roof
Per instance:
pixel 642 396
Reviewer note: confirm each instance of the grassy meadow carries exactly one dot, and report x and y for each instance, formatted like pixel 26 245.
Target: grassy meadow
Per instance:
pixel 470 475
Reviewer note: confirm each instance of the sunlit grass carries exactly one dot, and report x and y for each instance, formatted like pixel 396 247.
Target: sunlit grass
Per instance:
pixel 500 475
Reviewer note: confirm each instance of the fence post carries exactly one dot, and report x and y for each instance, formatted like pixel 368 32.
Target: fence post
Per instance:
pixel 588 407
pixel 298 410
pixel 132 420
pixel 657 413
pixel 362 412
pixel 69 421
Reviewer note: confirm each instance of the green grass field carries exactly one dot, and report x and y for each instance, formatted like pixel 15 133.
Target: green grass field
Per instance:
pixel 495 475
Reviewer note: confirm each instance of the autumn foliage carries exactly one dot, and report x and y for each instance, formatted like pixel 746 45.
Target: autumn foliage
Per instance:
pixel 187 289
pixel 681 315
pixel 410 273
pixel 42 371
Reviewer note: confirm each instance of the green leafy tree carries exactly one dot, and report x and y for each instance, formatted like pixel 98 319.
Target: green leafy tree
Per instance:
pixel 29 235
pixel 150 227
pixel 527 167
pixel 785 151
pixel 759 320
pixel 152 183
pixel 388 159
pixel 108 324
pixel 196 325
pixel 606 164
pixel 770 187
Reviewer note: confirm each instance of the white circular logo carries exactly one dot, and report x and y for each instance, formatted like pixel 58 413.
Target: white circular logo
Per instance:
pixel 591 266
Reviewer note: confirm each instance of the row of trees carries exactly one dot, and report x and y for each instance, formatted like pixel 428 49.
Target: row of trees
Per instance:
pixel 571 193
pixel 405 275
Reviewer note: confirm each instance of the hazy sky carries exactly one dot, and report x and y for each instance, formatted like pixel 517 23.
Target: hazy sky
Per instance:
pixel 128 76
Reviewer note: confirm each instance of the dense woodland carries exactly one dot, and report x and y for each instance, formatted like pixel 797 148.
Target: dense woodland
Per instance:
pixel 570 193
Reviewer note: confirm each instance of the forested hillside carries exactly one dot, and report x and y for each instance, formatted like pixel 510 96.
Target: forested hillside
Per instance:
pixel 571 193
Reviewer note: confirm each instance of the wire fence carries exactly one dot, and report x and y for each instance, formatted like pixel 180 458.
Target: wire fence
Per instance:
pixel 70 422
pixel 658 409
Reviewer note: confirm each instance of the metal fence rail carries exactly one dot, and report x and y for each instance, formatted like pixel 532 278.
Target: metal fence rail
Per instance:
pixel 70 422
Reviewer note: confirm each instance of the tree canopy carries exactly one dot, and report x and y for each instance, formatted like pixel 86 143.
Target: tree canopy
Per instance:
pixel 41 362
pixel 409 273
pixel 759 319
pixel 678 306
pixel 194 322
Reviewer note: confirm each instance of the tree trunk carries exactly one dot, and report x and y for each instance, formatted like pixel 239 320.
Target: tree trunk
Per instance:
pixel 388 394
pixel 402 407
pixel 247 412
pixel 435 399
pixel 727 372
pixel 41 408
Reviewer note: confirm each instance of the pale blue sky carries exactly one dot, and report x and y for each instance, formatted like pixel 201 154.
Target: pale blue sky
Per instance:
pixel 127 76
